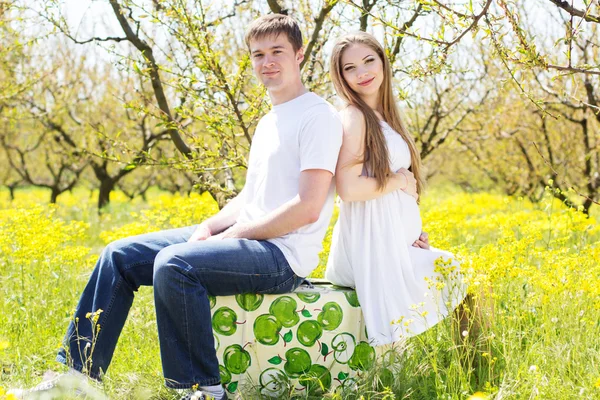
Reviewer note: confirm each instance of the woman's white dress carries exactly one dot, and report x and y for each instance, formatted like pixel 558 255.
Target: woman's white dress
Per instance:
pixel 372 251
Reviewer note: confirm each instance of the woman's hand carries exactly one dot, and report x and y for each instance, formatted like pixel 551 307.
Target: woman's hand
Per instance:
pixel 423 241
pixel 408 183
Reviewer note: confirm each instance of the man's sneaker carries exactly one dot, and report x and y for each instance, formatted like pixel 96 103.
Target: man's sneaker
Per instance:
pixel 198 395
pixel 56 386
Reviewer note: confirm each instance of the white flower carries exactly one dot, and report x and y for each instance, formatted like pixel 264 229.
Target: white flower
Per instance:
pixel 197 396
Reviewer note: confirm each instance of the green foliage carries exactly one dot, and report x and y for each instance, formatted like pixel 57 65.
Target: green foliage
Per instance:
pixel 179 105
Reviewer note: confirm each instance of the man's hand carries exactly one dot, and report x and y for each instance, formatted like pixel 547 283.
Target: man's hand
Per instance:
pixel 220 221
pixel 236 231
pixel 202 232
pixel 423 241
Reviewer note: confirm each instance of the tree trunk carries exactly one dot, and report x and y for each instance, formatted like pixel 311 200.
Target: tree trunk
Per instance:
pixel 364 21
pixel 106 186
pixel 54 195
pixel 586 206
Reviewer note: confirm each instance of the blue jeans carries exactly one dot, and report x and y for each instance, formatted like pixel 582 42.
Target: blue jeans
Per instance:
pixel 183 275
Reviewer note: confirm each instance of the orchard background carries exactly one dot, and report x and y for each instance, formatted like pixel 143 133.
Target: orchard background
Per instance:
pixel 121 117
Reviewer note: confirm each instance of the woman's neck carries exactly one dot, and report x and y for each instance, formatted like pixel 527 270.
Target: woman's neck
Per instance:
pixel 373 102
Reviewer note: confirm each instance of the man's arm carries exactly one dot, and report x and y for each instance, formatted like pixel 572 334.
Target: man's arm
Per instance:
pixel 302 210
pixel 221 220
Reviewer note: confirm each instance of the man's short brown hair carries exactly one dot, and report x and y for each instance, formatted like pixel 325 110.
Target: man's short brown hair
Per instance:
pixel 274 25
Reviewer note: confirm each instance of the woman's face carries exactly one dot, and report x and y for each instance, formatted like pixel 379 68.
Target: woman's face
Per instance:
pixel 362 69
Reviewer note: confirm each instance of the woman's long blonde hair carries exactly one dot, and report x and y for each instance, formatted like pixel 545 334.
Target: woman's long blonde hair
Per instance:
pixel 376 155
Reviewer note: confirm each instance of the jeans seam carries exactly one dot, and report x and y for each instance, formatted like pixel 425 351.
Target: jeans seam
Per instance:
pixel 274 256
pixel 275 288
pixel 212 270
pixel 277 255
pixel 189 385
pixel 108 310
pixel 128 267
pixel 185 322
pixel 136 264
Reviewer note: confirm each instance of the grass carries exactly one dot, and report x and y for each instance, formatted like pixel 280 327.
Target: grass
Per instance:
pixel 540 261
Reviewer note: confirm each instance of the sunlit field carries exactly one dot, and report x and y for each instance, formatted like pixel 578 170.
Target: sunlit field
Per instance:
pixel 533 269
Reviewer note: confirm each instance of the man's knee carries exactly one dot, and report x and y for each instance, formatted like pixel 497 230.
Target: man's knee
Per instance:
pixel 167 265
pixel 118 250
pixel 114 256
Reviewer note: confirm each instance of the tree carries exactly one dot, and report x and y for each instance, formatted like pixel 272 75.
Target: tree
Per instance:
pixel 191 57
pixel 551 137
pixel 191 71
pixel 75 106
pixel 41 164
pixel 14 47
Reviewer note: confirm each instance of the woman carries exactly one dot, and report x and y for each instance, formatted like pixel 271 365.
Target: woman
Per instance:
pixel 372 246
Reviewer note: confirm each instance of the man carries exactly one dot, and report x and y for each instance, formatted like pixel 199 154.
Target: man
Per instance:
pixel 266 240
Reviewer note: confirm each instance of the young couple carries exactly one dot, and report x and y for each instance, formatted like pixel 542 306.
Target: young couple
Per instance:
pixel 267 239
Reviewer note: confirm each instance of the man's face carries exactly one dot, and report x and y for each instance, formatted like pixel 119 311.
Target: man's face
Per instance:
pixel 274 61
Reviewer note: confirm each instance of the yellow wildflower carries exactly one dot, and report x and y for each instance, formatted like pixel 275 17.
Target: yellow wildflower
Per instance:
pixel 478 396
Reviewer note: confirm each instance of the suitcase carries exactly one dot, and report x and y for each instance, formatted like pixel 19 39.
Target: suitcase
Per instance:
pixel 308 341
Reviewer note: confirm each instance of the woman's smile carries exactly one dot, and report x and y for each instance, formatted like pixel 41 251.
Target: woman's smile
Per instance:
pixel 366 82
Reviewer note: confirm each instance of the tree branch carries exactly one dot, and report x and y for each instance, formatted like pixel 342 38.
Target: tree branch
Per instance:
pixel 473 24
pixel 364 18
pixel 574 11
pixel 159 92
pixel 400 38
pixel 556 177
pixel 325 10
pixel 574 69
pixel 445 7
pixel 276 8
pixel 97 39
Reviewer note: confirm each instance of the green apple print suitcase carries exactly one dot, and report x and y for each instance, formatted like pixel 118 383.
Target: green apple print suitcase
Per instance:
pixel 310 340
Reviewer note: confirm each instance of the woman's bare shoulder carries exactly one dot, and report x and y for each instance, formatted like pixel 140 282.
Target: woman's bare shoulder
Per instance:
pixel 353 120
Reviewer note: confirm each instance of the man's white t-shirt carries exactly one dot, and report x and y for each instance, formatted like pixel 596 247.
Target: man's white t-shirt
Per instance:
pixel 303 133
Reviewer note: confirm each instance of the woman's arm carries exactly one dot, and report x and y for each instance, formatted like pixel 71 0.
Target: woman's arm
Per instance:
pixel 350 185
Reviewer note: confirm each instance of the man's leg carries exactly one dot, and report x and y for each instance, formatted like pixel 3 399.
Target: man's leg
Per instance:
pixel 122 268
pixel 184 274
